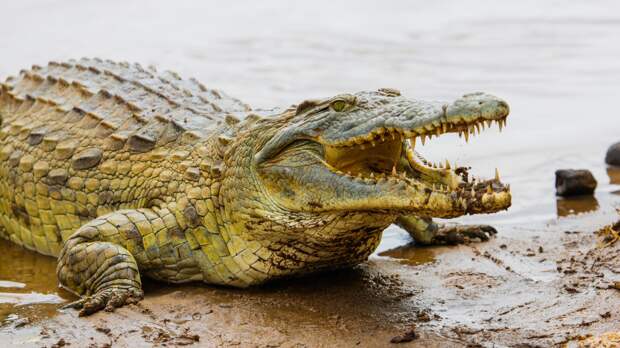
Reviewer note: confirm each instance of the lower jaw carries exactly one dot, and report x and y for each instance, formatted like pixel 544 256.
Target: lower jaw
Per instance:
pixel 437 205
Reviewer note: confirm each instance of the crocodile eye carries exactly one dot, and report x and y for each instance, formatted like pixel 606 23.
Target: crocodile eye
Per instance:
pixel 338 105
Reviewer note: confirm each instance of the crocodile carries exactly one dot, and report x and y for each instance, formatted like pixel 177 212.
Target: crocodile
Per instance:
pixel 121 171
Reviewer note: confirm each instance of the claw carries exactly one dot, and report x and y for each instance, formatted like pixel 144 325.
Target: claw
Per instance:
pixel 75 304
pixel 108 300
pixel 459 234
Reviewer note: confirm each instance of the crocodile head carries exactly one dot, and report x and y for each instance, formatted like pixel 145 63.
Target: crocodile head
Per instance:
pixel 355 154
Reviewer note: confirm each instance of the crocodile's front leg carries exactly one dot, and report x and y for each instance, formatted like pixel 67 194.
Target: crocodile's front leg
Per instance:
pixel 427 232
pixel 102 260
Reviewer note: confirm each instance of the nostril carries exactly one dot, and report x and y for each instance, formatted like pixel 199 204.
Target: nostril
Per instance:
pixel 503 104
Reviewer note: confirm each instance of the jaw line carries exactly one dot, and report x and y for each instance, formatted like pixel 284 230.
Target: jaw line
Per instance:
pixel 432 179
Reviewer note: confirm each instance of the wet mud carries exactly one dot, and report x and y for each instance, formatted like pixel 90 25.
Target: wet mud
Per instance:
pixel 522 288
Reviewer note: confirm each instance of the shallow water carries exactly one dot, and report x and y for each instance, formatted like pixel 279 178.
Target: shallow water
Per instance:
pixel 555 62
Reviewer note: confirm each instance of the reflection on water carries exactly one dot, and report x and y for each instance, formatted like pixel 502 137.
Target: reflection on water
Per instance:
pixel 574 205
pixel 410 254
pixel 28 284
pixel 614 175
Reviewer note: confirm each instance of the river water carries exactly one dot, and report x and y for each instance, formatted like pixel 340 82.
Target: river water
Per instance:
pixel 555 62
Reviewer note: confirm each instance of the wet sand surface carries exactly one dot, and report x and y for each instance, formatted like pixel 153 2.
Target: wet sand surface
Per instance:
pixel 544 280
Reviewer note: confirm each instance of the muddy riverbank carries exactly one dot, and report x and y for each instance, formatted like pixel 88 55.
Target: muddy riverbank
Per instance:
pixel 522 288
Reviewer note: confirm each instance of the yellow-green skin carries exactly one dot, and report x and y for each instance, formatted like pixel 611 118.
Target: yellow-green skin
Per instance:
pixel 132 160
pixel 120 171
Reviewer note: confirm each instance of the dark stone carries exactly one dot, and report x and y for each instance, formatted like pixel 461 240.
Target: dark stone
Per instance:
pixel 613 155
pixel 571 182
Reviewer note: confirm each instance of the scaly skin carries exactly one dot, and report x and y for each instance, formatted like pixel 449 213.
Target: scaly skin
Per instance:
pixel 122 172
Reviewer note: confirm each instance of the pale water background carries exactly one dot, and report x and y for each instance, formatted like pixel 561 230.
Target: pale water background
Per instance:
pixel 557 63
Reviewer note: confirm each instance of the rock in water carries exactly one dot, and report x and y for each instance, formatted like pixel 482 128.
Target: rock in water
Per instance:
pixel 572 182
pixel 613 155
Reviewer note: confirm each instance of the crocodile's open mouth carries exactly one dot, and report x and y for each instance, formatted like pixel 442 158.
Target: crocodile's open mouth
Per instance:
pixel 387 155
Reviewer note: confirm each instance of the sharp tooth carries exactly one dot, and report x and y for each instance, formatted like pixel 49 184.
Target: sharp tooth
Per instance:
pixel 477 125
pixel 393 136
pixel 460 134
pixel 423 136
pixel 438 131
pixel 500 124
pixel 466 136
pixel 394 170
pixel 439 165
pixel 444 127
pixel 465 204
pixel 489 189
pixel 473 192
pixel 413 143
pixel 496 174
pixel 447 164
pixel 489 123
pixel 508 187
pixel 372 175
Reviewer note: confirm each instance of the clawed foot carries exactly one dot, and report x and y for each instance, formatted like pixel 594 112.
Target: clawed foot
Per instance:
pixel 462 234
pixel 108 299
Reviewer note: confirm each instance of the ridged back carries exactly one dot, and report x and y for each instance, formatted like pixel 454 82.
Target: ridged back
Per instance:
pixel 121 104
